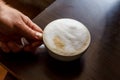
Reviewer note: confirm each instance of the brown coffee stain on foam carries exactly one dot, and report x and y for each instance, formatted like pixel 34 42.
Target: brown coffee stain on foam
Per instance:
pixel 58 42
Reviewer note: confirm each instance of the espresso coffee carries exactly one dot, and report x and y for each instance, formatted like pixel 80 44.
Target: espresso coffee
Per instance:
pixel 66 39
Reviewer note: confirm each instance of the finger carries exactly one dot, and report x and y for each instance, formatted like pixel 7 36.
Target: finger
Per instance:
pixel 14 47
pixel 36 44
pixel 3 37
pixel 27 32
pixel 31 24
pixel 4 47
pixel 32 47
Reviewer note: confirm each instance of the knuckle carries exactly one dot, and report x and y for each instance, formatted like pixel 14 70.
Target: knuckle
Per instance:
pixel 19 23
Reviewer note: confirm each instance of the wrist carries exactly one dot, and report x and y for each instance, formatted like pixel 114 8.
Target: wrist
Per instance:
pixel 2 4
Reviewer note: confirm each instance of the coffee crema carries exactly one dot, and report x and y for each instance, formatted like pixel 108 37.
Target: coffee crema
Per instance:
pixel 66 38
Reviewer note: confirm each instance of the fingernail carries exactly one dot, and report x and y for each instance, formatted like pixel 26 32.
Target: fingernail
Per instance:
pixel 39 35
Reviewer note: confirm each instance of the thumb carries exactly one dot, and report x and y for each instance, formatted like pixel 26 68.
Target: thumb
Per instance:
pixel 29 33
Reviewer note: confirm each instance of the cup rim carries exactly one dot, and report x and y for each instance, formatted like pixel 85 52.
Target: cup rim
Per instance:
pixel 78 52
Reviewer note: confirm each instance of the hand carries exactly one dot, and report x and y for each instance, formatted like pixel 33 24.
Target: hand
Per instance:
pixel 13 26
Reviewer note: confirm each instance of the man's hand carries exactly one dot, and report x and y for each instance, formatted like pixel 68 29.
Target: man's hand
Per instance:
pixel 13 26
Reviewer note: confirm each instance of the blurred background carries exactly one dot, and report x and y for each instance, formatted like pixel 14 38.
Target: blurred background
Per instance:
pixel 31 8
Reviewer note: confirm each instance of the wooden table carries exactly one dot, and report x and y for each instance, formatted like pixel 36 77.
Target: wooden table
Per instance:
pixel 99 62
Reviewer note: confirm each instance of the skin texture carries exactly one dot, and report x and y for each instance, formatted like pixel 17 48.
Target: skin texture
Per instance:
pixel 13 26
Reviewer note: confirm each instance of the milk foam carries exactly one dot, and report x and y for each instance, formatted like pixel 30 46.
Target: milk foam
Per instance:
pixel 66 37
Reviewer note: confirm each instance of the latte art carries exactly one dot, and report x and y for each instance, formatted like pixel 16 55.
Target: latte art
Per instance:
pixel 66 37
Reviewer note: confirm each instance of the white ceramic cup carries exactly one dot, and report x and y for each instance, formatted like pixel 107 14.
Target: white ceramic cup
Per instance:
pixel 66 39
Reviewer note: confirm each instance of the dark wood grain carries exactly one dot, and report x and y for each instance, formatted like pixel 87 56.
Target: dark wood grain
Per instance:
pixel 99 62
